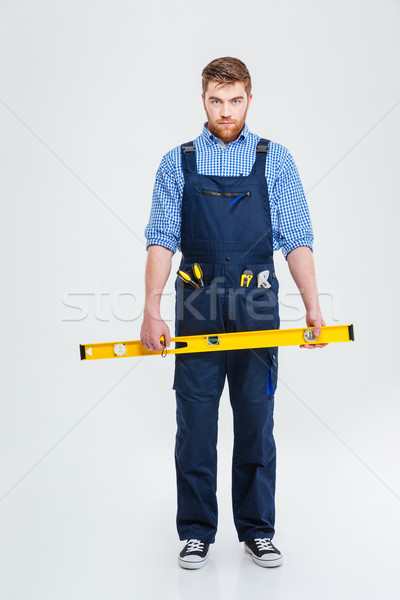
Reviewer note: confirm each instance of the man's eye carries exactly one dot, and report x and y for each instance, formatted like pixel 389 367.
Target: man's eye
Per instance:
pixel 215 101
pixel 235 101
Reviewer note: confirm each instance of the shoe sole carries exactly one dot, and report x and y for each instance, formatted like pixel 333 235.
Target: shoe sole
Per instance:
pixel 187 564
pixel 275 562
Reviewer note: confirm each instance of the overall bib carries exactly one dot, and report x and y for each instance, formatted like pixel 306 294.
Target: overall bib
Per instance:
pixel 226 228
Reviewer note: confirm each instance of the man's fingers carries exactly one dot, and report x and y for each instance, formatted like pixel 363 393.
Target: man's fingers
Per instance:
pixel 312 346
pixel 145 343
pixel 150 344
pixel 154 343
pixel 317 329
pixel 158 344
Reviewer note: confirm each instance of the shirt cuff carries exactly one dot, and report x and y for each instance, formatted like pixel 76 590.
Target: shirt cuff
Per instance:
pixel 289 246
pixel 162 240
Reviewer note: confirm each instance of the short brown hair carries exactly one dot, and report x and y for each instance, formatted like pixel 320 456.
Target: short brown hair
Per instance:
pixel 226 70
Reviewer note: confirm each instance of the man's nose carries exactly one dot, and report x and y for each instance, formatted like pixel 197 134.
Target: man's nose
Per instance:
pixel 225 110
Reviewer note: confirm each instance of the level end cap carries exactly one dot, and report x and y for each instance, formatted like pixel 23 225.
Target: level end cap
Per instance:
pixel 351 332
pixel 82 351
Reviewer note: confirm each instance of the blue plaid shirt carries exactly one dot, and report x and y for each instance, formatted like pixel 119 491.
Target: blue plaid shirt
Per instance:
pixel 290 218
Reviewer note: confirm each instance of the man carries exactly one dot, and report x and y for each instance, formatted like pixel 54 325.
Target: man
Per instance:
pixel 227 200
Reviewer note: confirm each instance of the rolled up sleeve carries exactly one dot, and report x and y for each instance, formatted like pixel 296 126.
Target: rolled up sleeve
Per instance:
pixel 163 228
pixel 294 222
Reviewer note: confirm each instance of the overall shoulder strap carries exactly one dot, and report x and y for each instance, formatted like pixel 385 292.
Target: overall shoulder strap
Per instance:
pixel 261 157
pixel 188 158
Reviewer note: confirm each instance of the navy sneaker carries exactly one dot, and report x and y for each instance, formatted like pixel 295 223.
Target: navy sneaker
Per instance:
pixel 263 552
pixel 194 555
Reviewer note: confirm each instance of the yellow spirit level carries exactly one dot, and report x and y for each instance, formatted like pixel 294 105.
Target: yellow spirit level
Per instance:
pixel 223 341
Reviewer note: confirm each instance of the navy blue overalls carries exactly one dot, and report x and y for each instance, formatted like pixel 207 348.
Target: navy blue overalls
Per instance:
pixel 226 228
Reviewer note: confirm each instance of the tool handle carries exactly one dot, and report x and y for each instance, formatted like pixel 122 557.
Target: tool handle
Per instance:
pixel 186 278
pixel 198 273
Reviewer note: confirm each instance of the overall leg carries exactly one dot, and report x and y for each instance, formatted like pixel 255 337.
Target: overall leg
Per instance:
pixel 252 377
pixel 196 452
pixel 198 382
pixel 196 467
pixel 254 452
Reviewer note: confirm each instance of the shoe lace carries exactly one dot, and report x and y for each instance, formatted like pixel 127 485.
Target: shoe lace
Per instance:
pixel 195 545
pixel 264 544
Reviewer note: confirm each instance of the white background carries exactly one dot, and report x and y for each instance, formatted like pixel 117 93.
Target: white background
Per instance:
pixel 92 94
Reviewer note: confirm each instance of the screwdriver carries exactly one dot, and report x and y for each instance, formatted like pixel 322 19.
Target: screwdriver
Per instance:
pixel 186 278
pixel 246 277
pixel 198 273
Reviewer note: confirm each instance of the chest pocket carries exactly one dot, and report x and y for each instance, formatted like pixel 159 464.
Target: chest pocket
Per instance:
pixel 235 196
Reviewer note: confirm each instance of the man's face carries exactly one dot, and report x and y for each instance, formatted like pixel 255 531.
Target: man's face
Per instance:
pixel 226 108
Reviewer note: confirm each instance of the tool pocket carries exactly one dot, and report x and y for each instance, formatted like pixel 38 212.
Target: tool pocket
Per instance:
pixel 200 376
pixel 252 307
pixel 272 371
pixel 196 310
pixel 235 196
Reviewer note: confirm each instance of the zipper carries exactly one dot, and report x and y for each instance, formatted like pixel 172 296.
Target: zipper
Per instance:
pixel 233 195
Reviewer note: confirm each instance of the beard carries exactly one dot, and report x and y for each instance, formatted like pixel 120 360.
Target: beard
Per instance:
pixel 223 132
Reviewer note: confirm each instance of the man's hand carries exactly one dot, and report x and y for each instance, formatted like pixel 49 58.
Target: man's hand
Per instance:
pixel 301 266
pixel 151 331
pixel 314 319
